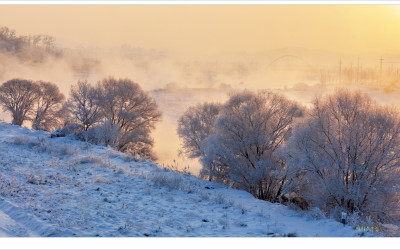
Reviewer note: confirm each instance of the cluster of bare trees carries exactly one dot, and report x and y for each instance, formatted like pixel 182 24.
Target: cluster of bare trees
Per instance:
pixel 115 112
pixel 36 101
pixel 341 154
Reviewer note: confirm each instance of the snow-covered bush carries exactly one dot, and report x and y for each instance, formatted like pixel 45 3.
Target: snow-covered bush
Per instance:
pixel 357 219
pixel 127 156
pixel 54 148
pixel 248 132
pixel 65 149
pixel 204 196
pixel 346 154
pixel 34 178
pixel 22 140
pixel 72 128
pixel 219 199
pixel 316 213
pixel 42 145
pixel 9 186
pixel 57 133
pixel 89 158
pixel 105 133
pixel 170 180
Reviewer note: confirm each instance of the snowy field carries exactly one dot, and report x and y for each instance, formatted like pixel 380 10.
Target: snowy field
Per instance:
pixel 62 187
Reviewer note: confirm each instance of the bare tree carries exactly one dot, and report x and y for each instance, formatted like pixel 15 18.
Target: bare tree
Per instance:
pixel 18 96
pixel 346 155
pixel 47 105
pixel 195 125
pixel 248 132
pixel 125 104
pixel 84 104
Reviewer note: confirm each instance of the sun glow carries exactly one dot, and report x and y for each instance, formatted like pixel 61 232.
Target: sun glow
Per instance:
pixel 396 9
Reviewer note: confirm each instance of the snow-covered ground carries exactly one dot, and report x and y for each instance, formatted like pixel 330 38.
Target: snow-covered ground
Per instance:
pixel 64 187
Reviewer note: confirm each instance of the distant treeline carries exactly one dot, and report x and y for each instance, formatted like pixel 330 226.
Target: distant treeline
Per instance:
pixel 33 48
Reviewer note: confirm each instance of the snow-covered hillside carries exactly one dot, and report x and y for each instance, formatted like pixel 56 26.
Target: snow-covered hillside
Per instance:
pixel 63 187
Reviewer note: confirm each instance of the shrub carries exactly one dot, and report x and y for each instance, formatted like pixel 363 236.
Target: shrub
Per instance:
pixel 167 179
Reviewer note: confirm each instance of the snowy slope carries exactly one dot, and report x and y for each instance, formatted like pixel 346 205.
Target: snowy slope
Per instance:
pixel 63 187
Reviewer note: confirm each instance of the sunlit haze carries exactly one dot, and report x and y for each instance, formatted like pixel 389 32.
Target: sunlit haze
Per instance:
pixel 216 47
pixel 200 30
pixel 209 120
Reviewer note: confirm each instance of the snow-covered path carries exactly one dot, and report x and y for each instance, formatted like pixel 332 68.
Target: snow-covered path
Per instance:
pixel 63 187
pixel 10 227
pixel 15 221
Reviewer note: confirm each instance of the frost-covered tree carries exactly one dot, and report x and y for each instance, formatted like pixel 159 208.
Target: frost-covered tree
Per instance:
pixel 104 133
pixel 195 125
pixel 84 104
pixel 115 112
pixel 346 155
pixel 248 132
pixel 125 104
pixel 47 106
pixel 18 97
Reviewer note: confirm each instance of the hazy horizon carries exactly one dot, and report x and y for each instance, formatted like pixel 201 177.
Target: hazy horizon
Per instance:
pixel 200 29
pixel 207 46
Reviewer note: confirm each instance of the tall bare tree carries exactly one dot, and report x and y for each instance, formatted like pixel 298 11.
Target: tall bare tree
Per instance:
pixel 125 104
pixel 84 104
pixel 18 96
pixel 47 105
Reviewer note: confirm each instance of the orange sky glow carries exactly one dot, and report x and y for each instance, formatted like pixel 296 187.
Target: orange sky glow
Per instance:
pixel 200 29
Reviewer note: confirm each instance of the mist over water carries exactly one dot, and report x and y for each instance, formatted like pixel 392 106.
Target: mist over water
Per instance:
pixel 178 81
pixel 172 103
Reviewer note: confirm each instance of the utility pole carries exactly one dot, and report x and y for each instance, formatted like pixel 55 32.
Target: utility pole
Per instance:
pixel 340 71
pixel 358 71
pixel 380 73
pixel 352 73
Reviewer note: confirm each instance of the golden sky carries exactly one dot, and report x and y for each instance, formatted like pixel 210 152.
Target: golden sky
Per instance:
pixel 211 28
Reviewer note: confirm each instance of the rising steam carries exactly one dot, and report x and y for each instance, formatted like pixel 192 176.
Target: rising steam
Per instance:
pixel 178 80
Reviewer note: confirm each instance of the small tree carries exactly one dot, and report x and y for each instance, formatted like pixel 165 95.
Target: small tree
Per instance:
pixel 84 104
pixel 248 132
pixel 18 96
pixel 195 125
pixel 346 155
pixel 126 105
pixel 47 107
